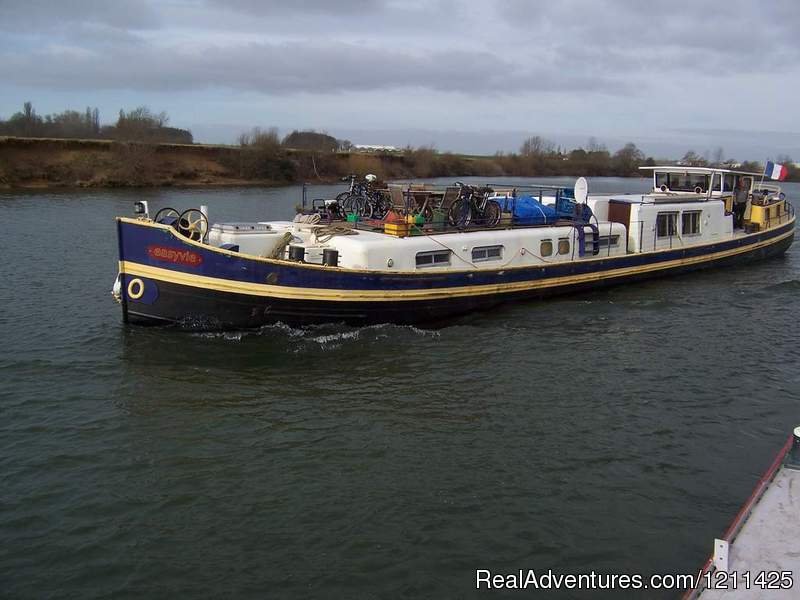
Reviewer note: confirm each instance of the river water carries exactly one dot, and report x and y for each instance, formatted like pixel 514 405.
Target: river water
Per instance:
pixel 616 431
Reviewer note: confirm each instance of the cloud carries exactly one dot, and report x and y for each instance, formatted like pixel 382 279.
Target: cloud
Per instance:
pixel 610 47
pixel 572 65
pixel 37 15
pixel 262 8
pixel 671 35
pixel 288 68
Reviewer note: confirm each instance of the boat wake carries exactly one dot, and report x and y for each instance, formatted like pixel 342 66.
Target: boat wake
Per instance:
pixel 325 337
pixel 790 286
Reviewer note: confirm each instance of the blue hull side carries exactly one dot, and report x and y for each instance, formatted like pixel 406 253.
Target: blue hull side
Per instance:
pixel 183 282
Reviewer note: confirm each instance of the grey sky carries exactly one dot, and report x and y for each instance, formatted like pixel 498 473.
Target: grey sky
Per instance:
pixel 467 76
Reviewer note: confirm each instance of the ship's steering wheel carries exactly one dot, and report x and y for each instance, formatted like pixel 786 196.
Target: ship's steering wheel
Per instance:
pixel 166 212
pixel 193 224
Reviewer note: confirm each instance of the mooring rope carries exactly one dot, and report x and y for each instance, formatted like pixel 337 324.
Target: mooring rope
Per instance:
pixel 278 251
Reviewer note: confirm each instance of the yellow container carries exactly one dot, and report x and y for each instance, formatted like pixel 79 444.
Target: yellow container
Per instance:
pixel 398 229
pixel 767 216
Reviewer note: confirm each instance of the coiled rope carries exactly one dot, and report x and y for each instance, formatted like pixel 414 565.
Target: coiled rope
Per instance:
pixel 322 233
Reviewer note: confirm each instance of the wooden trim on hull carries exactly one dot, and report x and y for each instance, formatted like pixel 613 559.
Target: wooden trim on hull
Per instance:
pixel 199 302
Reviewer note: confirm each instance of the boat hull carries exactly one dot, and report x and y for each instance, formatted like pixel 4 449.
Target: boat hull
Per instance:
pixel 166 279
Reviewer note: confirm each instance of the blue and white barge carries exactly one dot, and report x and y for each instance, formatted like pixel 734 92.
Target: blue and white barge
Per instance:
pixel 423 264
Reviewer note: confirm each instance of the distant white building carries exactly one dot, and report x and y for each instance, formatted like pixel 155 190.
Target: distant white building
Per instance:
pixel 375 148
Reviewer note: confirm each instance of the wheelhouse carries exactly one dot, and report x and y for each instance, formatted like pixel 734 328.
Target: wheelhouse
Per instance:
pixel 766 202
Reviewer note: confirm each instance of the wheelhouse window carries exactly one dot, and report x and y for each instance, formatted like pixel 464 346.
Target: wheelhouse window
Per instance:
pixel 683 182
pixel 546 248
pixel 484 253
pixel 728 182
pixel 666 224
pixel 608 240
pixel 690 222
pixel 563 246
pixel 434 258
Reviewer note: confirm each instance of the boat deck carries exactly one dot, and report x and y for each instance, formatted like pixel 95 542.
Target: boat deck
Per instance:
pixel 764 538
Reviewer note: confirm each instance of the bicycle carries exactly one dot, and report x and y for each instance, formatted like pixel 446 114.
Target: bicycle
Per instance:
pixel 363 200
pixel 473 206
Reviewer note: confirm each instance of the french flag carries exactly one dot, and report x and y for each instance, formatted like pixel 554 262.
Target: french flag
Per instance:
pixel 775 171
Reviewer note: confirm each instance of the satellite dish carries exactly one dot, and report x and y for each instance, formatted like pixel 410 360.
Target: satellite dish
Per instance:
pixel 581 190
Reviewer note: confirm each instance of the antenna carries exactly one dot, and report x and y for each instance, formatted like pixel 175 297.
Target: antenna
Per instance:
pixel 581 190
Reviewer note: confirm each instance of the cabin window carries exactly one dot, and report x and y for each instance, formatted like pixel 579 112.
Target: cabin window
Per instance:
pixel 728 183
pixel 435 258
pixel 546 248
pixel 666 224
pixel 608 240
pixel 687 182
pixel 563 246
pixel 690 222
pixel 483 253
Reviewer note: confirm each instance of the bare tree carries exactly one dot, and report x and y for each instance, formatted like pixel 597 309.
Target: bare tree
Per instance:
pixel 594 146
pixel 627 159
pixel 261 138
pixel 692 159
pixel 536 146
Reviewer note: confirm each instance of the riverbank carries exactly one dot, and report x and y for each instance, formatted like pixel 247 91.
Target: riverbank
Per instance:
pixel 64 163
pixel 41 163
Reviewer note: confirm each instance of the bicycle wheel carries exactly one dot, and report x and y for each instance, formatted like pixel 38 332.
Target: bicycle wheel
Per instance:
pixel 382 207
pixel 460 214
pixel 362 207
pixel 492 213
pixel 341 199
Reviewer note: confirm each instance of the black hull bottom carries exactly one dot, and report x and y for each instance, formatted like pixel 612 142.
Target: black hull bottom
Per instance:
pixel 203 309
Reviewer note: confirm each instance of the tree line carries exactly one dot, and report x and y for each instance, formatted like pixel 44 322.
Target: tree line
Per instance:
pixel 139 125
pixel 537 156
pixel 264 154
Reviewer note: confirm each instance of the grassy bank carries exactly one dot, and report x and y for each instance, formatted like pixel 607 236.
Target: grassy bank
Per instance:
pixel 42 163
pixel 51 162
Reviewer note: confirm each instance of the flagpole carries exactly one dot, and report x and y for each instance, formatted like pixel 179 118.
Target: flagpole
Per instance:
pixel 764 172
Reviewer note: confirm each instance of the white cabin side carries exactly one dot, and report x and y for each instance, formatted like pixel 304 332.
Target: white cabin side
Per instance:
pixel 479 250
pixel 654 224
pixel 665 226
